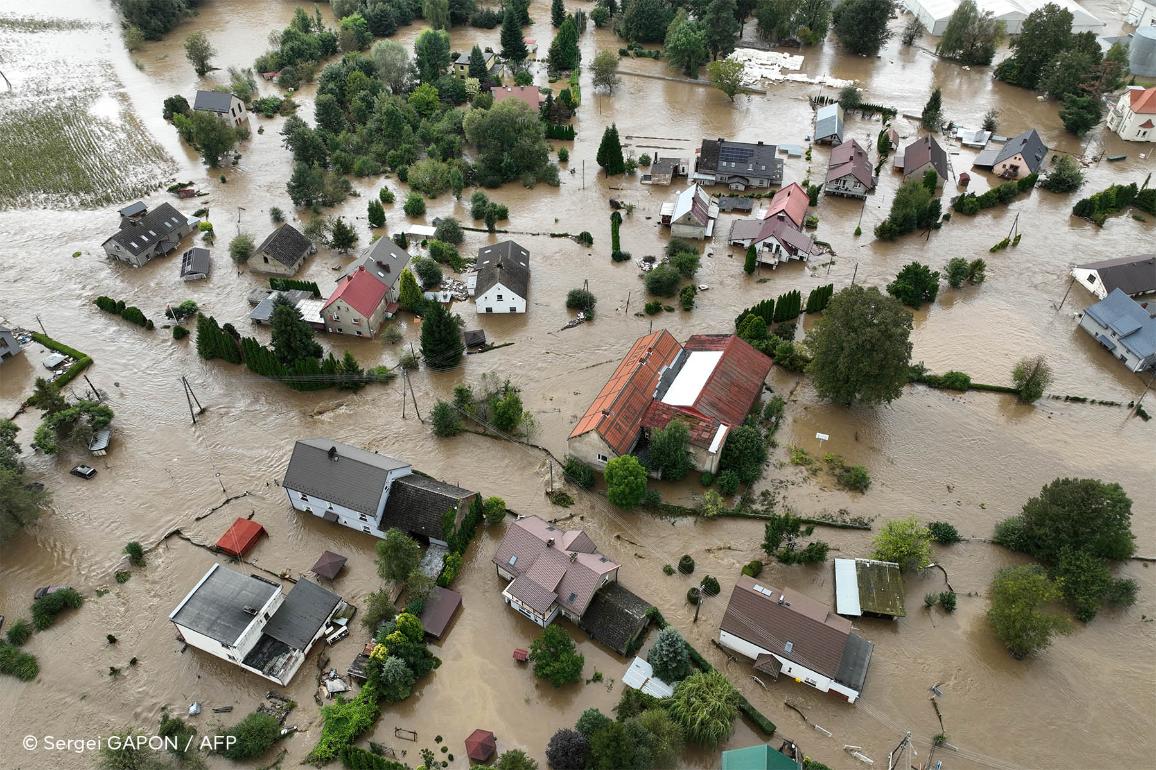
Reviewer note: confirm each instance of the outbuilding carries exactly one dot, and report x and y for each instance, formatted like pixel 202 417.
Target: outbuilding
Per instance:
pixel 503 281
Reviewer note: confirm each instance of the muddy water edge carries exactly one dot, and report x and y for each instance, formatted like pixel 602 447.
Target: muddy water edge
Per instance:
pixel 969 459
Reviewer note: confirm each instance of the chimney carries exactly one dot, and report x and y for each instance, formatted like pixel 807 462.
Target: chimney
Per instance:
pixel 332 453
pixel 573 557
pixel 550 542
pixel 361 268
pixel 760 143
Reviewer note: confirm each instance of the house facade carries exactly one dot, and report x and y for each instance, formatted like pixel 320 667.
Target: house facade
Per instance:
pixel 1133 117
pixel 146 236
pixel 1125 328
pixel 282 252
pixel 249 622
pixel 849 172
pixel 9 345
pixel 662 170
pixel 1018 157
pixel 691 214
pixel 1135 276
pixel 225 106
pixel 776 240
pixel 919 156
pixel 357 306
pixel 462 62
pixel 503 281
pixel 195 264
pixel 738 164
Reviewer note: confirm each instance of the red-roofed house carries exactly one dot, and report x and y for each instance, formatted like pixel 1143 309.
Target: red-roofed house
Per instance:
pixel 792 201
pixel 528 95
pixel 711 383
pixel 1134 116
pixel 357 306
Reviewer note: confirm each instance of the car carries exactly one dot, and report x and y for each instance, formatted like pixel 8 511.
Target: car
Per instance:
pixel 46 590
pixel 84 471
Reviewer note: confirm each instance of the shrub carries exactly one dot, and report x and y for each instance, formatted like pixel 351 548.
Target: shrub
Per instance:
pixel 686 297
pixel 135 553
pixel 669 657
pixel 46 608
pixel 378 608
pixel 445 420
pixel 555 657
pixel 706 479
pixel 494 509
pixel 15 662
pixel 693 595
pixel 180 332
pixel 625 481
pixel 728 483
pixel 853 477
pixel 414 205
pixel 582 300
pixel 685 262
pixel 449 230
pixel 667 569
pixel 943 533
pixel 753 568
pixel 686 564
pixel 663 281
pixel 19 633
pixel 579 472
pixel 710 586
pixel 652 308
pixel 947 601
pixel 254 735
pixel 705 704
pixel 1018 596
pixel 905 542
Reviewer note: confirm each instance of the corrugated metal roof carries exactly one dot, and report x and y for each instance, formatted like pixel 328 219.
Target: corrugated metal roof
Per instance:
pixel 640 675
pixel 846 588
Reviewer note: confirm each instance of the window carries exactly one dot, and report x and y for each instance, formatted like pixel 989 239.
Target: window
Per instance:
pixel 499 298
pixel 603 458
pixel 365 530
pixel 513 560
pixel 513 309
pixel 489 310
pixel 304 498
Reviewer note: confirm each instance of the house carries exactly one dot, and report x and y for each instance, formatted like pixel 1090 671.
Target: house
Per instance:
pixel 1142 13
pixel 617 618
pixel 691 214
pixel 849 171
pixel 9 345
pixel 1125 327
pixel 384 260
pixel 307 305
pixel 1134 276
pixel 1133 116
pixel 920 155
pixel 868 587
pixel 663 170
pixel 829 124
pixel 785 632
pixel 1019 156
pixel 551 571
pixel 791 201
pixel 737 164
pixel 370 492
pixel 195 264
pixel 282 252
pixel 225 106
pixel 728 203
pixel 775 240
pixel 357 306
pixel 133 213
pixel 248 621
pixel 462 62
pixel 710 383
pixel 503 280
pixel 528 95
pixel 145 237
pixel 762 757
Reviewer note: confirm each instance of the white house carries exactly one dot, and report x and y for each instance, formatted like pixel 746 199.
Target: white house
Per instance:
pixel 1134 276
pixel 1125 328
pixel 503 281
pixel 9 345
pixel 1133 116
pixel 248 621
pixel 789 633
pixel 225 106
pixel 691 214
pixel 370 492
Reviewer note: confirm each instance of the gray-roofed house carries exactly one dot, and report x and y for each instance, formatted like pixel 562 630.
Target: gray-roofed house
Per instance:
pixel 1019 156
pixel 462 62
pixel 730 203
pixel 1134 276
pixel 195 264
pixel 263 312
pixel 503 284
pixel 282 252
pixel 224 105
pixel 785 632
pixel 738 164
pixel 370 492
pixel 663 170
pixel 849 171
pixel 384 260
pixel 248 621
pixel 132 213
pixel 150 236
pixel 550 571
pixel 829 124
pixel 1125 328
pixel 691 214
pixel 9 345
pixel 920 155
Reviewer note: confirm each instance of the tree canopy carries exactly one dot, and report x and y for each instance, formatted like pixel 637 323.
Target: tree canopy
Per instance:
pixel 915 284
pixel 670 450
pixel 861 25
pixel 1044 33
pixel 705 705
pixel 669 656
pixel 555 657
pixel 686 45
pixel 442 345
pixel 1018 614
pixel 511 144
pixel 971 36
pixel 625 481
pixel 398 555
pixel 906 542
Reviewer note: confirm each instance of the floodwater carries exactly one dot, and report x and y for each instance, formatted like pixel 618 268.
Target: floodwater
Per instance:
pixel 969 459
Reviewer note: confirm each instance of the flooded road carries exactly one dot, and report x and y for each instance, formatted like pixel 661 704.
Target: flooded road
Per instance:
pixel 970 459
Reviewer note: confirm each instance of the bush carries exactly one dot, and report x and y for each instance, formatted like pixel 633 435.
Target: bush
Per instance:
pixel 947 601
pixel 686 297
pixel 905 542
pixel 710 586
pixel 652 308
pixel 180 332
pixel 15 662
pixel 693 595
pixel 625 481
pixel 494 509
pixel 46 608
pixel 555 657
pixel 669 657
pixel 852 477
pixel 581 300
pixel 579 472
pixel 753 568
pixel 19 633
pixel 449 230
pixel 254 735
pixel 685 262
pixel 445 420
pixel 414 205
pixel 686 564
pixel 943 533
pixel 667 569
pixel 378 608
pixel 663 281
pixel 135 553
pixel 728 483
pixel 1018 598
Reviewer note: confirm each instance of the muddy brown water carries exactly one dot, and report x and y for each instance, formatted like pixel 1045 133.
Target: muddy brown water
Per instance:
pixel 969 459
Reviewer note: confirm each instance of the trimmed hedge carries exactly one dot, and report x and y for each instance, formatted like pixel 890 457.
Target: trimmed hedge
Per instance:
pixel 288 284
pixel 82 359
pixel 971 204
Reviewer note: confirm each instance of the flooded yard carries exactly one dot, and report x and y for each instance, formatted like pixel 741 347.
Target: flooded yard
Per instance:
pixel 970 459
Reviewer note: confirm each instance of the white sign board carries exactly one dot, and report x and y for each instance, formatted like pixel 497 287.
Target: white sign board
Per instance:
pixel 822 437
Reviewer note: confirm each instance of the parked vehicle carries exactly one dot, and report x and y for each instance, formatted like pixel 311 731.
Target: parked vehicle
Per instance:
pixel 84 471
pixel 46 590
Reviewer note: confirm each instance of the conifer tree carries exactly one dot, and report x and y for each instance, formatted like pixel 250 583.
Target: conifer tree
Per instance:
pixel 441 338
pixel 513 43
pixel 409 296
pixel 610 152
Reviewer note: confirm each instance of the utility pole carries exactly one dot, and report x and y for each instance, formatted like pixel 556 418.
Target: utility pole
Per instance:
pixel 628 292
pixel 409 382
pixel 1066 293
pixel 1014 227
pixel 45 331
pixel 92 387
pixel 191 398
pixel 854 274
pixel 404 380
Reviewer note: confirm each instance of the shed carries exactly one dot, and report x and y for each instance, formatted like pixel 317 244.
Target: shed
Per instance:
pixel 53 360
pixel 640 676
pixel 761 757
pixel 421 232
pixel 441 606
pixel 868 587
pixel 475 338
pixel 481 745
pixel 100 441
pixel 329 565
pixel 240 537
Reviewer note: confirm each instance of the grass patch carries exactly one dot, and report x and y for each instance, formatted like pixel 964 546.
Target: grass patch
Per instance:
pixel 15 662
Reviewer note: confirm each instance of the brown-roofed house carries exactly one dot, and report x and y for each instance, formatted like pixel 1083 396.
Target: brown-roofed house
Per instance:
pixel 849 171
pixel 711 383
pixel 920 155
pixel 528 95
pixel 789 633
pixel 1132 275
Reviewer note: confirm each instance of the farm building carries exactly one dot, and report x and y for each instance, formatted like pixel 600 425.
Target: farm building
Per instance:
pixel 503 280
pixel 868 587
pixel 934 14
pixel 1018 157
pixel 145 236
pixel 1132 275
pixel 691 214
pixel 225 106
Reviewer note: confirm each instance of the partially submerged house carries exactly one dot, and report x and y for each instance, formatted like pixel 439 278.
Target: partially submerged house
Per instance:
pixel 1018 157
pixel 527 95
pixel 133 213
pixel 691 214
pixel 792 202
pixel 282 252
pixel 849 171
pixel 868 587
pixel 775 240
pixel 662 171
pixel 248 621
pixel 357 305
pixel 225 106
pixel 919 156
pixel 785 632
pixel 9 345
pixel 306 304
pixel 640 676
pixel 1133 115
pixel 195 264
pixel 1125 328
pixel 829 124
pixel 439 610
pixel 370 492
pixel 462 62
pixel 1134 276
pixel 973 137
pixel 762 757
pixel 503 279
pixel 728 203
pixel 737 164
pixel 711 383
pixel 384 260
pixel 144 237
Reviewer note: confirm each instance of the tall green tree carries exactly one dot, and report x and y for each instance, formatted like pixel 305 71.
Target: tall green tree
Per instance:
pixel 726 75
pixel 604 70
pixel 437 13
pixel 722 27
pixel 971 36
pixel 861 347
pixel 1031 376
pixel 342 236
pixel 705 705
pixel 564 53
pixel 200 52
pixel 511 144
pixel 212 136
pixel 375 213
pixel 685 46
pixel 861 25
pixel 932 116
pixel 645 21
pixel 669 656
pixel 513 41
pixel 555 657
pixel 409 294
pixel 432 54
pixel 609 154
pixel 1084 515
pixel 46 397
pixel 751 262
pixel 478 68
pixel 398 555
pixel 1044 33
pixel 1018 613
pixel 915 284
pixel 20 501
pixel 670 450
pixel 441 338
pixel 557 13
pixel 625 481
pixel 905 542
pixel 291 337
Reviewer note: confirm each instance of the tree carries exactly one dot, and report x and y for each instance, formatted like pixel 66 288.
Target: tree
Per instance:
pixel 211 135
pixel 582 300
pixel 176 105
pixel 744 452
pixel 375 213
pixel 1083 515
pixel 956 272
pixel 912 30
pixel 494 509
pixel 445 419
pixel 915 284
pixel 478 68
pixel 432 54
pixel 1017 615
pixel 46 397
pixel 394 680
pixel 555 657
pixel 1067 71
pixel 914 207
pixel 721 23
pixel 511 143
pixel 861 25
pixel 705 705
pixel 342 236
pixel 726 75
pixel 669 656
pixel 609 155
pixel 20 502
pixel 625 481
pixel 971 37
pixel 441 338
pixel 291 337
pixel 686 46
pixel 252 737
pixel 591 721
pixel 1031 376
pixel 605 70
pixel 932 116
pixel 618 746
pixel 567 750
pixel 1044 33
pixel 670 450
pixel 905 542
pixel 1064 176
pixel 391 59
pixel 1080 113
pixel 398 555
pixel 409 295
pixel 353 33
pixel 199 52
pixel 437 13
pixel 557 13
pixel 751 261
pixel 645 21
pixel 515 759
pixel 241 248
pixel 991 120
pixel 564 53
pixel 861 347
pixel 513 42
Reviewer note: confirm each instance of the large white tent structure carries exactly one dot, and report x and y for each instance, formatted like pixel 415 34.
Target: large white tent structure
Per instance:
pixel 934 14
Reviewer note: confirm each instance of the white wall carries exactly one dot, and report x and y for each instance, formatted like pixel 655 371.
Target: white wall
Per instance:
pixel 348 517
pixel 790 668
pixel 1090 280
pixel 499 299
pixel 530 614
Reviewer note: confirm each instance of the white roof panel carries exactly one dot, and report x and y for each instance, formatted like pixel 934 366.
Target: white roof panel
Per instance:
pixel 691 379
pixel 846 588
pixel 640 676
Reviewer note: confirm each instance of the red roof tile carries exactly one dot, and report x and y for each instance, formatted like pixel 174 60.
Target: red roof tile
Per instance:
pixel 1143 102
pixel 737 380
pixel 361 291
pixel 702 429
pixel 528 95
pixel 793 201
